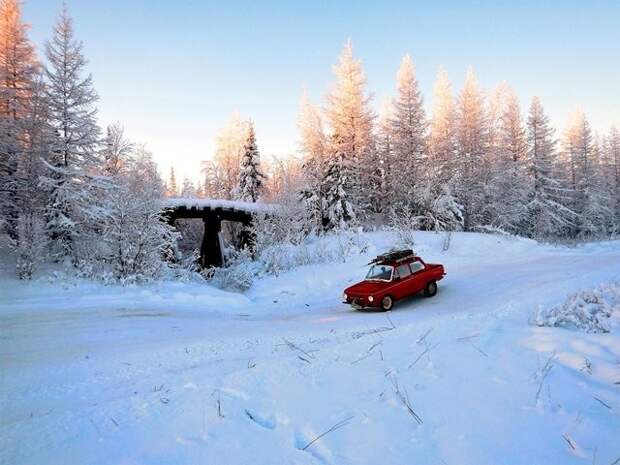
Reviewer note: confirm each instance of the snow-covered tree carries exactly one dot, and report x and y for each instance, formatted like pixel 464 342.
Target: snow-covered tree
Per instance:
pixel 117 151
pixel 30 199
pixel 214 180
pixel 251 177
pixel 18 69
pixel 312 142
pixel 547 207
pixel 339 211
pixel 442 137
pixel 472 146
pixel 350 120
pixel 507 188
pixel 200 190
pixel 135 236
pixel 348 107
pixel 385 157
pixel 580 161
pixel 313 145
pixel 222 173
pixel 71 178
pixel 172 190
pixel 284 180
pixel 188 190
pixel 408 128
pixel 612 170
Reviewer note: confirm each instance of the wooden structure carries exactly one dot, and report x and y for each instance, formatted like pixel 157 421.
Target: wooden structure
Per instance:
pixel 213 212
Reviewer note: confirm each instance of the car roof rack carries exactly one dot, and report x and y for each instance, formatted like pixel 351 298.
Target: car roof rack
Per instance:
pixel 393 256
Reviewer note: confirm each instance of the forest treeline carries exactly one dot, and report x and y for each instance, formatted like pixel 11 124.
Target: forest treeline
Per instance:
pixel 91 198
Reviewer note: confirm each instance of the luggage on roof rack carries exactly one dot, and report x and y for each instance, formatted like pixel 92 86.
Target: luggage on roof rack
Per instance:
pixel 392 256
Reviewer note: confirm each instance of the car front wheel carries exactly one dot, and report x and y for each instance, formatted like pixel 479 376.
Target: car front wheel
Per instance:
pixel 387 303
pixel 431 289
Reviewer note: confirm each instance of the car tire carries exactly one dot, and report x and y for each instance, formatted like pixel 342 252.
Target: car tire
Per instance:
pixel 431 289
pixel 387 303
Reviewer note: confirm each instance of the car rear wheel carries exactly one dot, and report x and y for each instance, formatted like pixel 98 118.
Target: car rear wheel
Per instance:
pixel 431 289
pixel 387 303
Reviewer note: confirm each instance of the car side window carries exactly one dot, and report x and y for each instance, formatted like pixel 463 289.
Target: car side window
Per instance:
pixel 403 271
pixel 416 266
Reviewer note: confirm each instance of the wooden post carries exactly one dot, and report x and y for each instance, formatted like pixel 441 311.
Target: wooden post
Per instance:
pixel 211 253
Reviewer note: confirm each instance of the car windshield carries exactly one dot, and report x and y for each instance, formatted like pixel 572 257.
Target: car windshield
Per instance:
pixel 380 273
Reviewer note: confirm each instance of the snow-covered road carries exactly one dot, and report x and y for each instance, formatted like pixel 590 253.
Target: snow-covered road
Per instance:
pixel 184 373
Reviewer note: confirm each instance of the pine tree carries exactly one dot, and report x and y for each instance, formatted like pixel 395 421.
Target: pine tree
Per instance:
pixel 250 174
pixel 171 187
pixel 72 210
pixel 350 122
pixel 18 70
pixel 472 146
pixel 547 211
pixel 408 128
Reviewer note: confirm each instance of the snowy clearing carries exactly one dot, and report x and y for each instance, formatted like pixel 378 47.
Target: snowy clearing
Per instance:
pixel 185 373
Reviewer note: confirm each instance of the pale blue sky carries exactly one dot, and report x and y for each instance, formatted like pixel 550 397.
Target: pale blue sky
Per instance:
pixel 174 71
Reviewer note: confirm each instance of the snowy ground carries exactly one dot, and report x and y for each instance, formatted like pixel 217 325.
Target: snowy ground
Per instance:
pixel 182 373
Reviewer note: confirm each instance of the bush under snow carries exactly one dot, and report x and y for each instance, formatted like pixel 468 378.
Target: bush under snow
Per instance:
pixel 237 275
pixel 588 310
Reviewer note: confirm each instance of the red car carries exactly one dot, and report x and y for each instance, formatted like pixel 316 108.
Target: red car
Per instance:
pixel 393 276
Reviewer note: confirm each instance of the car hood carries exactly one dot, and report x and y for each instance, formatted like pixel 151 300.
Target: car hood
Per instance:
pixel 366 287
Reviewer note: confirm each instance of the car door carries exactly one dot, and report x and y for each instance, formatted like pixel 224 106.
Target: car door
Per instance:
pixel 418 277
pixel 402 287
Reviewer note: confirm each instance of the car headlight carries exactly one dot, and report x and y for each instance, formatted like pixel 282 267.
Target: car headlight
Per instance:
pixel 345 296
pixel 370 298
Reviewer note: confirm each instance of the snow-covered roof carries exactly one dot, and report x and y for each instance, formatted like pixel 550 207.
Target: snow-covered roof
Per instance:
pixel 236 205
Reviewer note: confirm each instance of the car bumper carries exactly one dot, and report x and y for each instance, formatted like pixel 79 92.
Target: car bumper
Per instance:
pixel 359 304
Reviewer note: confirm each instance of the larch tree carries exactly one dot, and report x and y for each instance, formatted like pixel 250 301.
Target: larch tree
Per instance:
pixel 172 190
pixel 200 190
pixel 223 171
pixel 30 199
pixel 580 161
pixel 18 70
pixel 612 156
pixel 188 189
pixel 472 147
pixel 350 120
pixel 409 130
pixel 548 213
pixel 385 155
pixel 251 177
pixel 117 151
pixel 71 179
pixel 507 188
pixel 313 147
pixel 442 137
